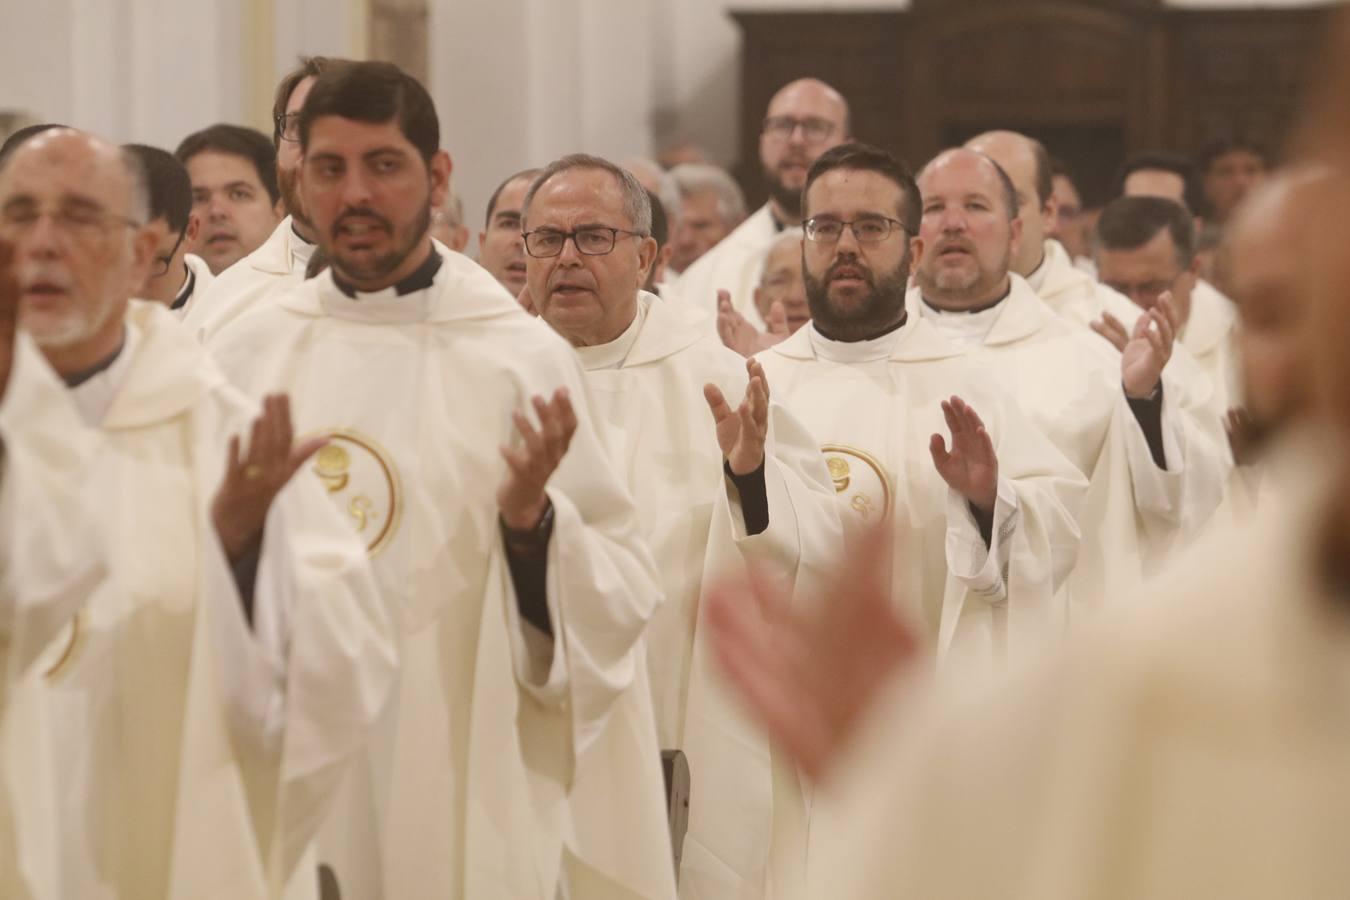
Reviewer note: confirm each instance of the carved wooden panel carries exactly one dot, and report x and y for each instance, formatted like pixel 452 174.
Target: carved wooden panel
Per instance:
pixel 1095 79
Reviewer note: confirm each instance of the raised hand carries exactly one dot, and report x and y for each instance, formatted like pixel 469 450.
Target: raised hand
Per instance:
pixel 1149 348
pixel 738 334
pixel 521 498
pixel 810 671
pixel 971 467
pixel 9 313
pixel 741 432
pixel 1111 328
pixel 253 478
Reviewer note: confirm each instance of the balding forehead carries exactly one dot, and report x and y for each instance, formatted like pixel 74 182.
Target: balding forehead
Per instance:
pixel 808 92
pixel 67 162
pixel 960 156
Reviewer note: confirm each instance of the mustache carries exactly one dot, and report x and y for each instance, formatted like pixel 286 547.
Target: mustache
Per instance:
pixel 361 213
pixel 866 274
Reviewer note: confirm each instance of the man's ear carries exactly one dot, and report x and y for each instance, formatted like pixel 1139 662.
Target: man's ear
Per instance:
pixel 646 258
pixel 194 226
pixel 440 168
pixel 915 254
pixel 1016 235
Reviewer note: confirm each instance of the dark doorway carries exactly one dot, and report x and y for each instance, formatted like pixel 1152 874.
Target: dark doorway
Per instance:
pixel 1093 153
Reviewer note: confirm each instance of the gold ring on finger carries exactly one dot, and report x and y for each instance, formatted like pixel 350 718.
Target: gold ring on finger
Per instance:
pixel 252 472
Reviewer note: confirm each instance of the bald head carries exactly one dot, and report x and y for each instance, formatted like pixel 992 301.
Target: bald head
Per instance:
pixel 1028 166
pixel 781 280
pixel 74 207
pixel 969 229
pixel 804 119
pixel 1265 260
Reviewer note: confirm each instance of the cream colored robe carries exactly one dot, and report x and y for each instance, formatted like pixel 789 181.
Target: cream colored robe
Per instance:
pixel 271 270
pixel 656 425
pixel 874 405
pixel 505 756
pixel 1067 381
pixel 1209 336
pixel 1194 745
pixel 167 748
pixel 51 555
pixel 1076 296
pixel 734 265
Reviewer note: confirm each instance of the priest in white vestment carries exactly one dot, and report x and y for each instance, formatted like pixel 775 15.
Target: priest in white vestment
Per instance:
pixel 988 516
pixel 279 263
pixel 182 735
pixel 1154 473
pixel 805 118
pixel 520 750
pixel 716 485
pixel 1068 290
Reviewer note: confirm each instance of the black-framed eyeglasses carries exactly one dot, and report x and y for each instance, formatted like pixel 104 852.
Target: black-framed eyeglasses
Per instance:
pixel 162 263
pixel 593 240
pixel 866 229
pixel 288 126
pixel 814 128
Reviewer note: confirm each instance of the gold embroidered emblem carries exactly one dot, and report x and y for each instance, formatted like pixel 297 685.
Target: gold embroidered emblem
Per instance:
pixel 860 481
pixel 360 477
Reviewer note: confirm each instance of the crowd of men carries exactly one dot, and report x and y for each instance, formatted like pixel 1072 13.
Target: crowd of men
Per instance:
pixel 666 548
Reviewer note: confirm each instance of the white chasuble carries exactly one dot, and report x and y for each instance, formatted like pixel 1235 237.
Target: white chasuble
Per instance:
pixel 655 422
pixel 1195 743
pixel 169 748
pixel 1209 336
pixel 274 268
pixel 487 771
pixel 1067 382
pixel 52 557
pixel 733 265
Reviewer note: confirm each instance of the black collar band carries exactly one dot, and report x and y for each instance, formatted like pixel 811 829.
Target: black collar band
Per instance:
pixel 79 378
pixel 419 279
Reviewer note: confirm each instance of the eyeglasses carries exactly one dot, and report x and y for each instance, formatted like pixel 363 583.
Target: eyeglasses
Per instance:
pixel 866 229
pixel 288 126
pixel 814 129
pixel 84 224
pixel 594 240
pixel 162 263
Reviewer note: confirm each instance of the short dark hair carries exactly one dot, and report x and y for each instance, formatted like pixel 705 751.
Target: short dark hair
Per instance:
pixel 375 92
pixel 1153 160
pixel 168 186
pixel 310 67
pixel 1230 144
pixel 660 227
pixel 14 140
pixel 635 203
pixel 492 201
pixel 1128 223
pixel 236 140
pixel 859 157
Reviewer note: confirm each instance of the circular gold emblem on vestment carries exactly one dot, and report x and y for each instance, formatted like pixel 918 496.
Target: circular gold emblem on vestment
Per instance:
pixel 859 481
pixel 361 479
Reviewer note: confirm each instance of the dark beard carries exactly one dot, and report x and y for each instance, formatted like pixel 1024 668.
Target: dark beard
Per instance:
pixel 788 199
pixel 391 260
pixel 876 315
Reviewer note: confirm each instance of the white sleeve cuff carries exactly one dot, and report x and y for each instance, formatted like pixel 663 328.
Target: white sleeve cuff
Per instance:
pixel 982 569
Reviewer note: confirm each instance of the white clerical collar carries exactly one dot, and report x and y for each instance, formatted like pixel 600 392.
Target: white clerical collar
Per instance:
pixel 94 395
pixel 851 352
pixel 613 354
pixel 969 329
